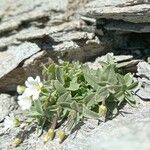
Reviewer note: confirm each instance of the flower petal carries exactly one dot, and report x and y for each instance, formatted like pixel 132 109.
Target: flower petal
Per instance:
pixel 36 95
pixel 24 102
pixel 37 79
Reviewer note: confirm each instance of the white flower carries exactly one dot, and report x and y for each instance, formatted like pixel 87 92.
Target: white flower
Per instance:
pixel 9 122
pixel 33 87
pixel 25 101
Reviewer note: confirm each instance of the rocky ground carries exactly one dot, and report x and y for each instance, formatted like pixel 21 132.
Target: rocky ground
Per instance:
pixel 39 32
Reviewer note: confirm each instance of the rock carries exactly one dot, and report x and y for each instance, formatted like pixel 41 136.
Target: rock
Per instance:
pixel 122 58
pixel 143 69
pixel 66 46
pixel 144 93
pixel 60 37
pixel 127 27
pixel 42 32
pixel 118 10
pixel 6 41
pixel 11 58
pixel 32 33
pixel 61 31
pixel 8 26
pixel 127 129
pixel 7 104
pixel 31 67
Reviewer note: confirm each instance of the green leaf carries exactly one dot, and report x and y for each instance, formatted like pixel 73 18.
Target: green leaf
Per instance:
pixel 38 106
pixel 128 79
pixel 34 113
pixel 131 103
pixel 52 108
pixel 73 86
pixel 59 87
pixel 91 79
pixel 120 79
pixel 75 106
pixel 120 97
pixel 65 97
pixel 101 94
pixel 72 120
pixel 89 114
pixel 59 74
pixel 133 85
pixel 88 98
pixel 110 58
pixel 51 72
pixel 65 105
pixel 44 91
pixel 109 75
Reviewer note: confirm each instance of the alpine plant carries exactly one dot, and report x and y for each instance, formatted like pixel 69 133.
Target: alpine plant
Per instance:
pixel 70 93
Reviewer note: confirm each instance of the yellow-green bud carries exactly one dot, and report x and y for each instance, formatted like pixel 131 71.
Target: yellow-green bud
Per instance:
pixel 61 135
pixel 17 122
pixel 20 89
pixel 16 142
pixel 102 110
pixel 49 135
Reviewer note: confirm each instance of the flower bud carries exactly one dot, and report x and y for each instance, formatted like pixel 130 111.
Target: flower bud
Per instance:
pixel 61 135
pixel 17 122
pixel 49 135
pixel 20 89
pixel 102 110
pixel 16 142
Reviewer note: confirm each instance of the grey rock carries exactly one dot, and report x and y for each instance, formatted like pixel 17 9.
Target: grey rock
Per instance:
pixel 143 69
pixel 129 64
pixel 7 41
pixel 124 27
pixel 68 45
pixel 118 10
pixel 24 7
pixel 67 36
pixel 32 33
pixel 31 67
pixel 7 104
pixel 8 26
pixel 144 93
pixel 122 58
pixel 128 131
pixel 11 58
pixel 75 35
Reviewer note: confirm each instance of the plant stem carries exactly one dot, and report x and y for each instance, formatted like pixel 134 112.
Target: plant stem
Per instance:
pixel 54 122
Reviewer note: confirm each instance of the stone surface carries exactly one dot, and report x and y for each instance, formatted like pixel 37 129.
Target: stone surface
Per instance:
pixel 124 27
pixel 143 70
pixel 31 67
pixel 11 58
pixel 118 10
pixel 126 132
pixel 7 104
pixel 61 30
pixel 37 32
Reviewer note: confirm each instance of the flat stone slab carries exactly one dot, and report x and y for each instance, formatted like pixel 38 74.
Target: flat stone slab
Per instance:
pixel 128 131
pixel 118 10
pixel 7 103
pixel 11 58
